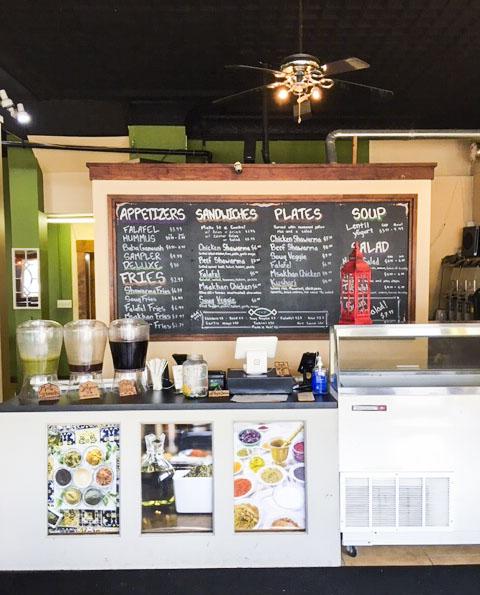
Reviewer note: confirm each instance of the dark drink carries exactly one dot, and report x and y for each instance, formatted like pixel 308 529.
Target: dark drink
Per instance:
pixel 129 355
pixel 86 368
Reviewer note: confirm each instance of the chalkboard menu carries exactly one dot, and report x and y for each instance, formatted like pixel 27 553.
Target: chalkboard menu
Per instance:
pixel 232 265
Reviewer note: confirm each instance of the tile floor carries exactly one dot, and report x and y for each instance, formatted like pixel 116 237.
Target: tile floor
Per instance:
pixel 415 555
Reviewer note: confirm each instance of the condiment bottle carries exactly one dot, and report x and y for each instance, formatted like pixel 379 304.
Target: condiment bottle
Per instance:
pixel 319 378
pixel 195 377
pixel 469 306
pixel 452 300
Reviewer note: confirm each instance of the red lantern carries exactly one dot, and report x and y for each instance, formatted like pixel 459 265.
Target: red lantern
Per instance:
pixel 355 281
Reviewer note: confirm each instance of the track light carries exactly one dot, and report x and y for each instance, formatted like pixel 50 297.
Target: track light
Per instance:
pixel 5 100
pixel 23 116
pixel 18 112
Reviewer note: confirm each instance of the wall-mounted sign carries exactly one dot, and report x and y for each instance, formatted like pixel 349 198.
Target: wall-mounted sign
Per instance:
pixel 221 266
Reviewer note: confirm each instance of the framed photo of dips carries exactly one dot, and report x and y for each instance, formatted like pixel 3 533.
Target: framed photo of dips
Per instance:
pixel 269 476
pixel 177 478
pixel 83 479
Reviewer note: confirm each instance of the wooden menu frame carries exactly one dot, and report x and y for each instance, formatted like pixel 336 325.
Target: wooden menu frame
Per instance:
pixel 114 199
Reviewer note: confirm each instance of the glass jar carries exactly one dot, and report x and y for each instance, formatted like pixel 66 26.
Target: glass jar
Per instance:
pixel 129 343
pixel 85 342
pixel 39 345
pixel 195 377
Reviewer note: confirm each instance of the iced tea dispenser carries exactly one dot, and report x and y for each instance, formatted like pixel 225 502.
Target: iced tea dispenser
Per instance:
pixel 128 343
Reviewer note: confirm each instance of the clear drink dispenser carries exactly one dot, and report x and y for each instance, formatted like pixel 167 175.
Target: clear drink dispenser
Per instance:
pixel 39 345
pixel 85 342
pixel 128 339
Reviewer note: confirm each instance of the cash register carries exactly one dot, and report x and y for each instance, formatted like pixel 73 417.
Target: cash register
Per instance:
pixel 256 377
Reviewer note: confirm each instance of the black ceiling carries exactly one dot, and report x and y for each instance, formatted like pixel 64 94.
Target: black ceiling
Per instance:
pixel 92 67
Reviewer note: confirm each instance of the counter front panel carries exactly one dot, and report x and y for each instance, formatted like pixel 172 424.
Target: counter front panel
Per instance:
pixel 295 517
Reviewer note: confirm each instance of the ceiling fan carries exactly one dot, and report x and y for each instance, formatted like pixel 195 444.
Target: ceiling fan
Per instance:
pixel 303 77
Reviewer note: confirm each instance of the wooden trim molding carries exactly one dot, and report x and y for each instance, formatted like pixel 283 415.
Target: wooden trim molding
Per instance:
pixel 218 171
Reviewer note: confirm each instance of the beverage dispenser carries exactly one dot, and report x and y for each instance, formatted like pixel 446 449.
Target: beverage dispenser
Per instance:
pixel 39 345
pixel 128 343
pixel 85 342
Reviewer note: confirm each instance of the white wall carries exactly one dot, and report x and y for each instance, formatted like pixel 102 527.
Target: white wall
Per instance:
pixel 219 354
pixel 66 183
pixel 67 187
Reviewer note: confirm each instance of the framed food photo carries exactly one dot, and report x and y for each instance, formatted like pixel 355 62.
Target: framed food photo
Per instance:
pixel 83 479
pixel 269 476
pixel 177 478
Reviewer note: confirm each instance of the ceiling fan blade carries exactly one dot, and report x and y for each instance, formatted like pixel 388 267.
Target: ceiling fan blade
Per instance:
pixel 380 91
pixel 277 73
pixel 346 65
pixel 235 95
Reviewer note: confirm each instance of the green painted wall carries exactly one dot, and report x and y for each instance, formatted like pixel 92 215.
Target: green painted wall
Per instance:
pixel 295 151
pixel 26 227
pixel 158 137
pixel 60 279
pixel 25 196
pixel 301 151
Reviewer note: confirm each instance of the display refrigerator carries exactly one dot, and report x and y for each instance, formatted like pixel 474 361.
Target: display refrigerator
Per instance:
pixel 409 432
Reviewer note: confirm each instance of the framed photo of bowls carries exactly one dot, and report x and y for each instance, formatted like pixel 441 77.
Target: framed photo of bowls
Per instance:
pixel 83 479
pixel 269 476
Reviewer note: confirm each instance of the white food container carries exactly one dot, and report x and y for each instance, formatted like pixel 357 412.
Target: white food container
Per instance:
pixel 192 494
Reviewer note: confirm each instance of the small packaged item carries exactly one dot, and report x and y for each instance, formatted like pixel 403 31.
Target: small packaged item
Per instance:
pixel 216 380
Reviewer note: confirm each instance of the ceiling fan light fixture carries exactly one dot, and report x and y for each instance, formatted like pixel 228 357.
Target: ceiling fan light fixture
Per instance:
pixel 282 94
pixel 316 94
pixel 326 83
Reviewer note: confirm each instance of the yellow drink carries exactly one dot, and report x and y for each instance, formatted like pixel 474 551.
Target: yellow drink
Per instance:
pixel 42 366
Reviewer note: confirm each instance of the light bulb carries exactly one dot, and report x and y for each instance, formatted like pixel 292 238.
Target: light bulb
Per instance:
pixel 5 100
pixel 282 94
pixel 23 117
pixel 316 94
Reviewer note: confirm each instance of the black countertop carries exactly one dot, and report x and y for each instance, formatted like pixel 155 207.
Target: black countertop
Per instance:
pixel 164 399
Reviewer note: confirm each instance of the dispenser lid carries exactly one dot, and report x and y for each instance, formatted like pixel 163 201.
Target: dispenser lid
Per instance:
pixel 38 324
pixel 129 329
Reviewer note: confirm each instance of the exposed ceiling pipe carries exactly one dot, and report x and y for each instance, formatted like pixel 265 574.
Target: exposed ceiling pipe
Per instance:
pixel 23 144
pixel 333 136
